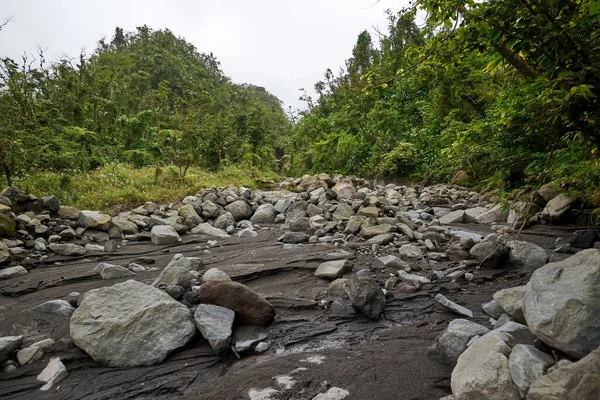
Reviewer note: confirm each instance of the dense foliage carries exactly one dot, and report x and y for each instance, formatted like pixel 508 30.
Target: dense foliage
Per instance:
pixel 506 90
pixel 143 98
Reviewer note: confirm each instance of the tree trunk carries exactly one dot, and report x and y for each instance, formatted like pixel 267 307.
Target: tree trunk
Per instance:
pixel 7 173
pixel 516 60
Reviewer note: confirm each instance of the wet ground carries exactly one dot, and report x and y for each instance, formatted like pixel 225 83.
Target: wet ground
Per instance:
pixel 310 353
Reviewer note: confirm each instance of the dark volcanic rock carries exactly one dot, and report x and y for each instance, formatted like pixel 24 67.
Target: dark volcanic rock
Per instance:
pixel 584 238
pixel 366 295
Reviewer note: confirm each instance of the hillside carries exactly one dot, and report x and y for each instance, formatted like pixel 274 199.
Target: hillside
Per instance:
pixel 142 98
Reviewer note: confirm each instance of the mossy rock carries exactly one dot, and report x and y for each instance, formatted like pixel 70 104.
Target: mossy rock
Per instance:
pixel 7 226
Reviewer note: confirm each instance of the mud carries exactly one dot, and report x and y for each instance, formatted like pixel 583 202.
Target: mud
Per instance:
pixel 310 353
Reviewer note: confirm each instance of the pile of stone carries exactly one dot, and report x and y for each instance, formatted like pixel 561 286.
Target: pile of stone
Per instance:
pixel 33 229
pixel 414 232
pixel 313 209
pixel 544 340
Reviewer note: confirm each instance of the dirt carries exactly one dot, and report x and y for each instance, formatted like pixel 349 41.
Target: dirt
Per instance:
pixel 310 353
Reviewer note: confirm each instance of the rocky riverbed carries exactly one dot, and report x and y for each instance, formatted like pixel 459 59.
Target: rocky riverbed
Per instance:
pixel 324 288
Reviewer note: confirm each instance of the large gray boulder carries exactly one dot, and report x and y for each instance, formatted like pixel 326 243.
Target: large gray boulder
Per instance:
pixel 354 224
pixel 164 234
pixel 293 237
pixel 130 324
pixel 342 211
pixel 215 323
pixel 300 224
pixel 549 191
pixel 211 209
pixel 240 210
pixel 577 381
pixel 264 214
pixel 526 364
pixel 562 303
pixel 482 373
pixel 526 254
pixel 454 340
pixel 366 295
pixel 410 251
pixel 472 213
pixel 215 274
pixel 296 210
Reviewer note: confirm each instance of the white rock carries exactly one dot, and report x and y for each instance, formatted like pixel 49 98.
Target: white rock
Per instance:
pixel 215 274
pixel 206 229
pixel 333 269
pixel 334 393
pixel 57 307
pixel 452 306
pixel 54 372
pixel 414 279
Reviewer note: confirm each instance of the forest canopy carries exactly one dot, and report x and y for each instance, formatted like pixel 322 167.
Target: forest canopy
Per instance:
pixel 506 91
pixel 143 98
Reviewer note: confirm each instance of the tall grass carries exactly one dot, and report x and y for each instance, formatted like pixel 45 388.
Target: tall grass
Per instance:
pixel 111 188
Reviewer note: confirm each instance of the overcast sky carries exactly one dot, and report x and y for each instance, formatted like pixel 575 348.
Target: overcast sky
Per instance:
pixel 282 45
